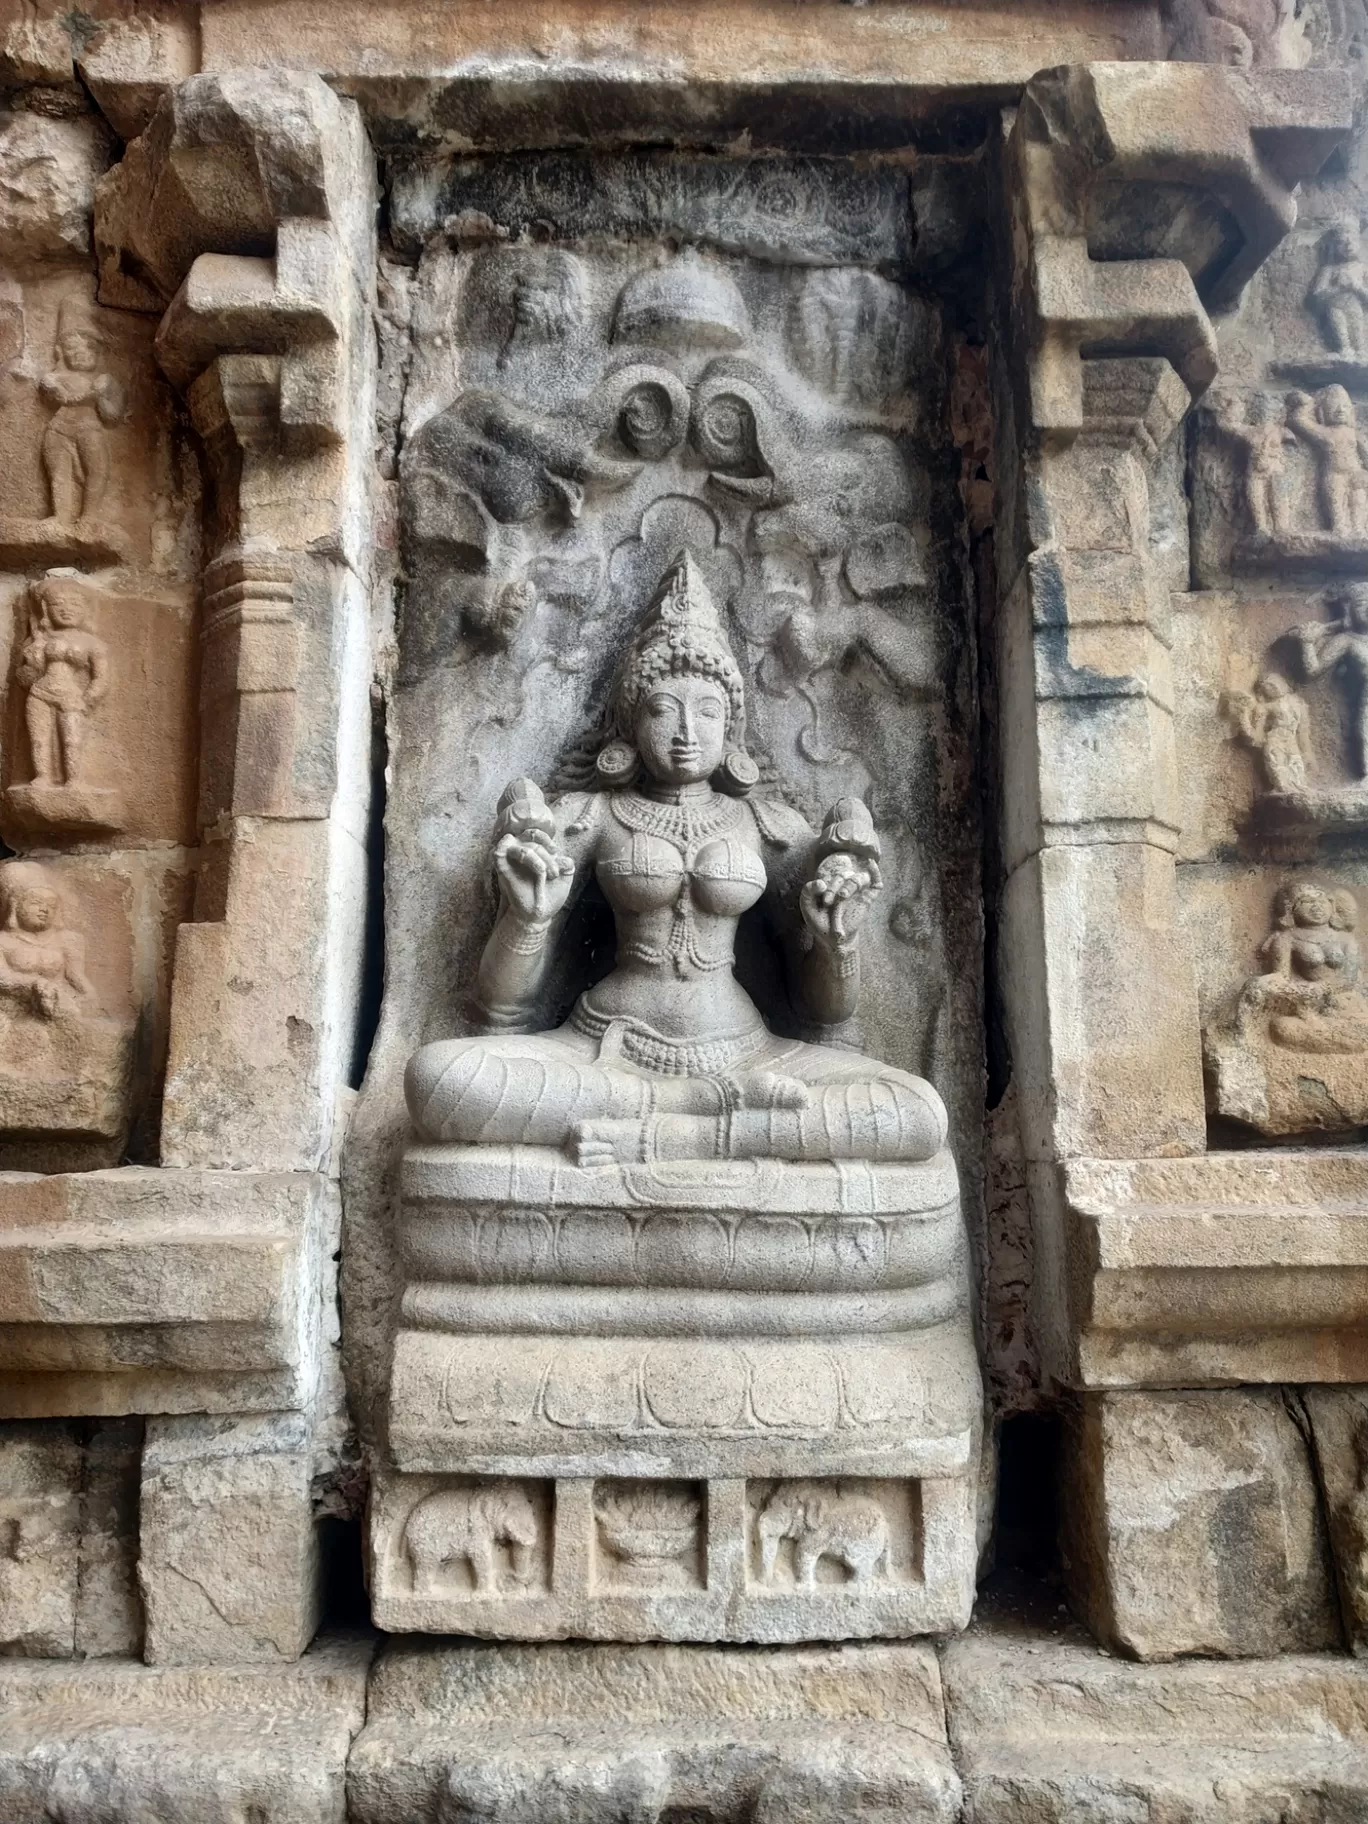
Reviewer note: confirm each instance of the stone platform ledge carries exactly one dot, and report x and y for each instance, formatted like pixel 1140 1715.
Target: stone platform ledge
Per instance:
pixel 156 1290
pixel 555 1734
pixel 110 1741
pixel 1216 1270
pixel 1052 1731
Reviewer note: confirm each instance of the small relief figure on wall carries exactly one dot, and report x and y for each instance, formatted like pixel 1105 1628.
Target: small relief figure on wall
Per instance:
pixel 87 400
pixel 1340 646
pixel 1328 424
pixel 1281 484
pixel 80 400
pixel 1305 1003
pixel 1263 439
pixel 63 669
pixel 1338 298
pixel 822 1522
pixel 668 1057
pixel 1273 720
pixel 63 1064
pixel 487 1532
pixel 42 963
pixel 547 302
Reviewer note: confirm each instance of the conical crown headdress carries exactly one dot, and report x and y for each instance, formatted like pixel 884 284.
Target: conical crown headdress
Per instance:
pixel 680 635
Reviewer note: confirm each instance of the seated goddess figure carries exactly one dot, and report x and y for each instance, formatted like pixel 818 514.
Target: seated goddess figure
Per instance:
pixel 667 1056
pixel 1310 989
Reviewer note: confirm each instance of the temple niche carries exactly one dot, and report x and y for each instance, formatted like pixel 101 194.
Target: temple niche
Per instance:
pixel 683 912
pixel 684 684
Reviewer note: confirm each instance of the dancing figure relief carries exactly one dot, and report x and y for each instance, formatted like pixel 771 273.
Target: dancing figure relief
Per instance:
pixel 668 1057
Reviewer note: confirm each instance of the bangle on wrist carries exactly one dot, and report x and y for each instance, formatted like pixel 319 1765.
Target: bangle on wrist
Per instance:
pixel 523 939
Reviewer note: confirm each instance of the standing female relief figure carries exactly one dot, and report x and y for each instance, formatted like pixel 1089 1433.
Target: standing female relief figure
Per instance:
pixel 668 1057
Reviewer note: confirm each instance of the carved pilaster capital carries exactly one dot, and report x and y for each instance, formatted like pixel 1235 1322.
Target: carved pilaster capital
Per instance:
pixel 238 214
pixel 1142 195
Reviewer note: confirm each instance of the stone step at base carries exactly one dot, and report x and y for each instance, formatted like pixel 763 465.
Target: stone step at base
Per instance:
pixel 111 1741
pixel 575 1734
pixel 1009 1724
pixel 1054 1731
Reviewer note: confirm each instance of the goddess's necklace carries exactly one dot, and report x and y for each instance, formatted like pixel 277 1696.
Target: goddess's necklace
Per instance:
pixel 682 822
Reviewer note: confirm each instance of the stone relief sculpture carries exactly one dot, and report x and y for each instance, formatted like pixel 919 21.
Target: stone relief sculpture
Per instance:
pixel 80 400
pixel 1339 646
pixel 677 1213
pixel 1338 297
pixel 63 1062
pixel 1329 425
pixel 63 668
pixel 651 1531
pixel 42 963
pixel 1291 1055
pixel 667 1057
pixel 1292 484
pixel 1241 33
pixel 823 1521
pixel 548 301
pixel 1263 439
pixel 491 1527
pixel 1277 721
pixel 1274 722
pixel 86 399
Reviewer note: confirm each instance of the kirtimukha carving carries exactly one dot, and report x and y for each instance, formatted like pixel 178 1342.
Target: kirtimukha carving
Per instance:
pixel 824 1522
pixel 668 1057
pixel 1338 298
pixel 1291 1055
pixel 63 1064
pixel 492 1528
pixel 63 668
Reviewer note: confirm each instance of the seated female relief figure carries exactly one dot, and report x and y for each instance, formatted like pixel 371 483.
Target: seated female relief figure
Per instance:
pixel 667 1057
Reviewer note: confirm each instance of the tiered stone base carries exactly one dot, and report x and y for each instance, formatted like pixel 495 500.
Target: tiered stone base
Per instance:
pixel 1011 1724
pixel 734 1402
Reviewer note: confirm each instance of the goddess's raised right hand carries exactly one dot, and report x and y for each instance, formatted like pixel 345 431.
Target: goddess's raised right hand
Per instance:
pixel 534 877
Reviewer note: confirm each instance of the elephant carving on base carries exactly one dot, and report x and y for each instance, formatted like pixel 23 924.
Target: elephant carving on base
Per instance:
pixel 824 1521
pixel 473 1523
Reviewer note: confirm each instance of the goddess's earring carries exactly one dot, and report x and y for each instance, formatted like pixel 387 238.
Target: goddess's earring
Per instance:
pixel 616 765
pixel 737 775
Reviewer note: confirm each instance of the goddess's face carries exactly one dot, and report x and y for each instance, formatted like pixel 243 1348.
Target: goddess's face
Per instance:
pixel 34 909
pixel 1311 907
pixel 681 730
